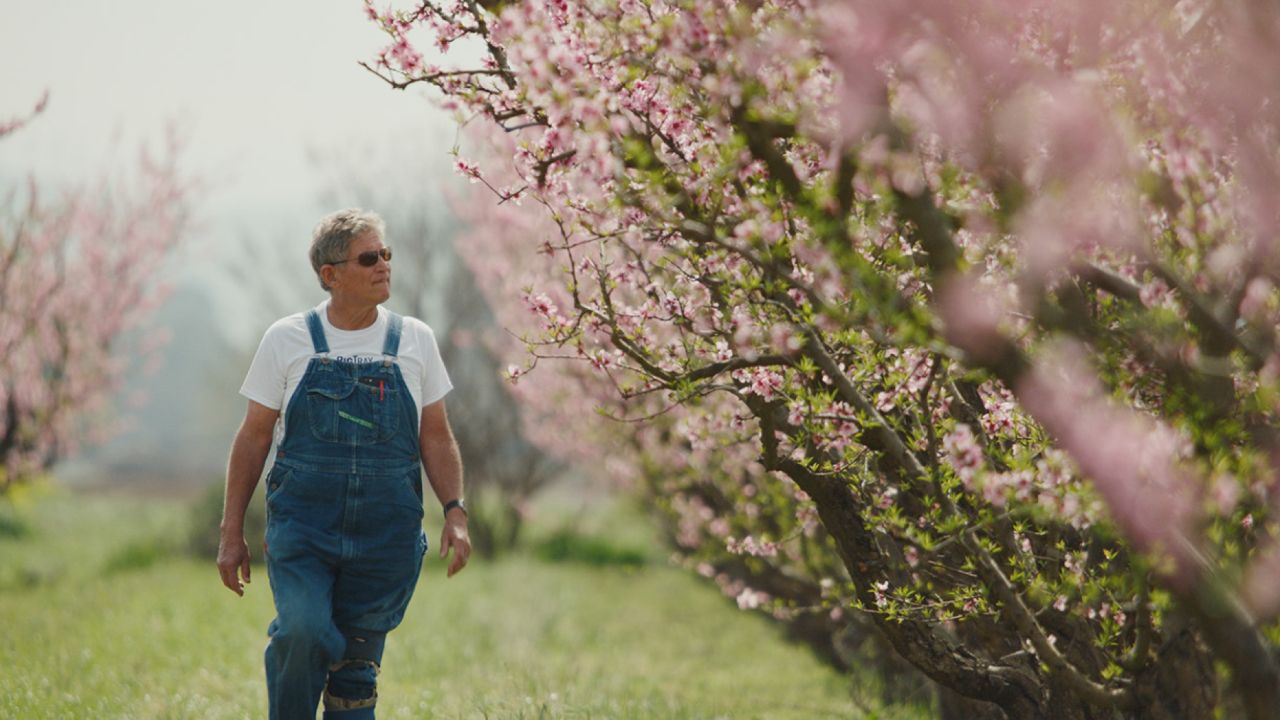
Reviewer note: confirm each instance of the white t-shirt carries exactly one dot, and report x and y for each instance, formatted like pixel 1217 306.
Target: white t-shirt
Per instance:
pixel 286 348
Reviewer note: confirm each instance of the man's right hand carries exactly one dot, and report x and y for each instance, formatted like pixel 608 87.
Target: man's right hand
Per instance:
pixel 233 562
pixel 248 454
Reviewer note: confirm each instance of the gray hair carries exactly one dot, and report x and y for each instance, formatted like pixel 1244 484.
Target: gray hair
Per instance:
pixel 332 237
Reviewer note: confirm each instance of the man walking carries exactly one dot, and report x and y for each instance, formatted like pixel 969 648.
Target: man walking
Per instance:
pixel 353 396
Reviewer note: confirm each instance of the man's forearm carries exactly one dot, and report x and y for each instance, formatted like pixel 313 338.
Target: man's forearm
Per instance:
pixel 248 454
pixel 443 463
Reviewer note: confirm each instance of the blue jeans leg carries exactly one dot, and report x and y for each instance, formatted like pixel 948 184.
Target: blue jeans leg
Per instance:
pixel 304 640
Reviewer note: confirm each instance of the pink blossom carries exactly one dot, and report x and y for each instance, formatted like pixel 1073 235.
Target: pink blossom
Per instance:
pixel 540 304
pixel 750 599
pixel 1225 493
pixel 764 382
pixel 971 317
pixel 1156 293
pixel 1256 296
pixel 885 500
pixel 887 400
pixel 879 590
pixel 795 413
pixel 911 555
pixel 603 360
pixel 467 169
pixel 963 452
pixel 994 486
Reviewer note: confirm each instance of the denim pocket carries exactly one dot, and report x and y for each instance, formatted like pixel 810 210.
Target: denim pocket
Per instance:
pixel 352 410
pixel 406 491
pixel 276 480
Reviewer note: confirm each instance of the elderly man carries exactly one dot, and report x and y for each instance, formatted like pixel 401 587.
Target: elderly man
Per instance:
pixel 353 395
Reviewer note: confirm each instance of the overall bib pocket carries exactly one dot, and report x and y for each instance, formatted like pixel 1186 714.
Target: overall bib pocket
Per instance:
pixel 350 409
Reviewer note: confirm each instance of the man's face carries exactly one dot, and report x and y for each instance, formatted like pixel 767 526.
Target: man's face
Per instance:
pixel 355 282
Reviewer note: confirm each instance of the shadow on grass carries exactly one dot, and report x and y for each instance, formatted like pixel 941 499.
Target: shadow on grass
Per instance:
pixel 567 545
pixel 13 526
pixel 139 555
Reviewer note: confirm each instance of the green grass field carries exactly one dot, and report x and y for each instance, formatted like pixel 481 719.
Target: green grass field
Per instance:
pixel 103 617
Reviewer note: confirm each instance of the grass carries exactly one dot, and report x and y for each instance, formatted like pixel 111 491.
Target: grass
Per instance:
pixel 103 618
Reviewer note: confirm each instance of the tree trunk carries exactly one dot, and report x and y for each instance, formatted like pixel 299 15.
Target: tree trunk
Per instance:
pixel 953 706
pixel 1180 683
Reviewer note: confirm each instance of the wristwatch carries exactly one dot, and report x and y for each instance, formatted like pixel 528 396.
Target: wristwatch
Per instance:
pixel 455 504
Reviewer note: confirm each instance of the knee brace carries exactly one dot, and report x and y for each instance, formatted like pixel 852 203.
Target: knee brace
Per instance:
pixel 353 681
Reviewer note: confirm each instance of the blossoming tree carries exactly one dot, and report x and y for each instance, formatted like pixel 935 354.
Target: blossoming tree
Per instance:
pixel 956 316
pixel 77 274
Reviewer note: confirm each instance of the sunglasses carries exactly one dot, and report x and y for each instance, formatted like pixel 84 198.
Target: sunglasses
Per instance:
pixel 368 258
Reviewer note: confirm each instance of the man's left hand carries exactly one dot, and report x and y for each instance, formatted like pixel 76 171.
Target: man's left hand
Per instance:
pixel 455 536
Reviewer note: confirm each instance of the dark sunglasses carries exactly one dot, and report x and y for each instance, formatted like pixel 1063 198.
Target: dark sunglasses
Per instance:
pixel 369 258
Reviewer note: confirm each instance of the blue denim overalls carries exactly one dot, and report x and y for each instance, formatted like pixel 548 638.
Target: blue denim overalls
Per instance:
pixel 344 531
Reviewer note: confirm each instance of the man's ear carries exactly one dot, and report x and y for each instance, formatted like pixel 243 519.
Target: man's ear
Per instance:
pixel 329 274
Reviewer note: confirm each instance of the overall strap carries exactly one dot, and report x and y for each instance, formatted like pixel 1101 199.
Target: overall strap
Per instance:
pixel 391 346
pixel 317 332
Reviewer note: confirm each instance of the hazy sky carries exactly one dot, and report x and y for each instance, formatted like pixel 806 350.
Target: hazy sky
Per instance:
pixel 253 86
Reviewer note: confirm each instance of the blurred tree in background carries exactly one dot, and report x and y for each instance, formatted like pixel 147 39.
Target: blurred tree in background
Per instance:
pixel 79 272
